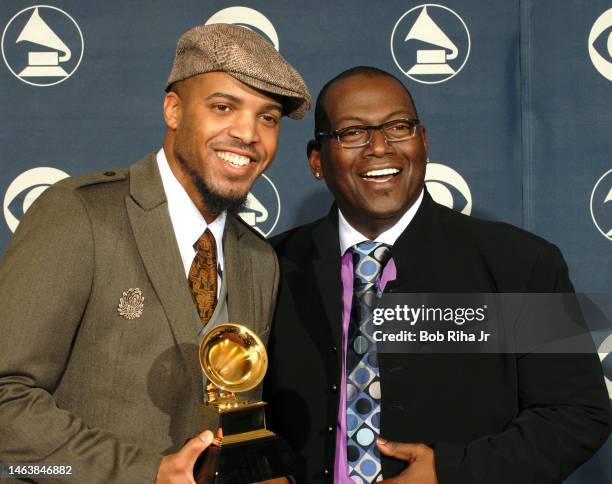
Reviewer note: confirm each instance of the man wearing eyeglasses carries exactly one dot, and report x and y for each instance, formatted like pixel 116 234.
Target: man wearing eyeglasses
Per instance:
pixel 355 415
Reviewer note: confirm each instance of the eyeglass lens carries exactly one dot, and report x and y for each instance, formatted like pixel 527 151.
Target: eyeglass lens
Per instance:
pixel 396 130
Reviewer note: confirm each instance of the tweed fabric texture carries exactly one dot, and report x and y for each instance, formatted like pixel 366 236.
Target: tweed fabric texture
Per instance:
pixel 245 55
pixel 101 235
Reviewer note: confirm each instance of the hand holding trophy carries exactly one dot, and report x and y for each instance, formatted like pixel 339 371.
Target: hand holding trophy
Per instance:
pixel 234 360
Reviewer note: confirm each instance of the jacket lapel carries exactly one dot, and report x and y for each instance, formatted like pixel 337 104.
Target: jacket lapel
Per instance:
pixel 416 254
pixel 147 210
pixel 326 267
pixel 239 278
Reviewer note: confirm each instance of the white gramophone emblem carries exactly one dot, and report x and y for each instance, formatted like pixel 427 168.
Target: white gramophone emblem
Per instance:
pixel 42 44
pixel 43 63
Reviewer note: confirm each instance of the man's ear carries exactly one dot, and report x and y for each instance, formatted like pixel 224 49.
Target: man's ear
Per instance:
pixel 424 136
pixel 313 150
pixel 172 110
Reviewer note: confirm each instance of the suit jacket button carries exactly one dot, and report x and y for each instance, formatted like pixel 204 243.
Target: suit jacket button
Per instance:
pixel 326 472
pixel 334 388
pixel 330 428
pixel 334 349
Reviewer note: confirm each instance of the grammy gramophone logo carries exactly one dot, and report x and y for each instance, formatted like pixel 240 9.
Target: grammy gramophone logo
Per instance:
pixel 42 45
pixel 430 43
pixel 262 208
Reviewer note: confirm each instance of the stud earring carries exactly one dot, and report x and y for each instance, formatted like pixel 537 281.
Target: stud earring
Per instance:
pixel 317 175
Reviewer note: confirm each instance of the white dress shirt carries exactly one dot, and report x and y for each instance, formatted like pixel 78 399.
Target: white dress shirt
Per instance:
pixel 187 221
pixel 349 236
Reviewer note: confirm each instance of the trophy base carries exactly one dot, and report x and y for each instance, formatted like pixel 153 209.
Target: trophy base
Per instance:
pixel 245 462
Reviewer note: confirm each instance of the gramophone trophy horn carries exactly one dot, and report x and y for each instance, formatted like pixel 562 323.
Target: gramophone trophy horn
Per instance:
pixel 235 360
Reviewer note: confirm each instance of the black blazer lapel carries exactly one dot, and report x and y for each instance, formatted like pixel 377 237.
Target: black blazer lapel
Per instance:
pixel 326 267
pixel 416 253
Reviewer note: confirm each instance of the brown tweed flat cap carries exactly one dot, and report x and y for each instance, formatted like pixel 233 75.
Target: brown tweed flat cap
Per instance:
pixel 242 54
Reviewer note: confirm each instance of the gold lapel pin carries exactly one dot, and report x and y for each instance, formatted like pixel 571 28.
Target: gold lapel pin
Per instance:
pixel 131 303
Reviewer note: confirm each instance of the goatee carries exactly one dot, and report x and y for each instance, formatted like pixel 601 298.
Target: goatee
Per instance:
pixel 218 203
pixel 214 202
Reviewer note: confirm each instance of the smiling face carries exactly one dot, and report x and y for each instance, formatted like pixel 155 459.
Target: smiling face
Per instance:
pixel 222 134
pixel 376 184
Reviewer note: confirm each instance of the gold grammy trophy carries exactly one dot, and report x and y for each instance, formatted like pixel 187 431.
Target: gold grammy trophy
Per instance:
pixel 234 360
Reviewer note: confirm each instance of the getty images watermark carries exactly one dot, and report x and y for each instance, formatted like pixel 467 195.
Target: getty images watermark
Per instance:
pixel 492 323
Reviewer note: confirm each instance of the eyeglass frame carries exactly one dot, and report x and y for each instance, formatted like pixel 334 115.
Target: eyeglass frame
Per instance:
pixel 370 128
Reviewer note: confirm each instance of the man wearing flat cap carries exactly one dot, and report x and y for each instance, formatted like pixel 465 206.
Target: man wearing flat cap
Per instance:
pixel 112 278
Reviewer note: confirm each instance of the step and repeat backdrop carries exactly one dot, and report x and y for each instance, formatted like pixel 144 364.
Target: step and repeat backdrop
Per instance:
pixel 516 97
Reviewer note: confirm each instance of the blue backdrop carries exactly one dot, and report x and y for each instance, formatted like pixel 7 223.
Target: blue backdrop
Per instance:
pixel 516 97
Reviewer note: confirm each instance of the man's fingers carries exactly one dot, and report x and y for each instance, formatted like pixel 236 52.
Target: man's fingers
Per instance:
pixel 399 450
pixel 194 447
pixel 178 467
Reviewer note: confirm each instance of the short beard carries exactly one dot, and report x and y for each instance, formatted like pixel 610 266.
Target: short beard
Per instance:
pixel 217 203
pixel 213 201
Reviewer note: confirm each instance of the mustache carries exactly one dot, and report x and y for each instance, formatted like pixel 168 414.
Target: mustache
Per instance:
pixel 238 145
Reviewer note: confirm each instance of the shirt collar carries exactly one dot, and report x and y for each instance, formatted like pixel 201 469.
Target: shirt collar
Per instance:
pixel 187 221
pixel 349 236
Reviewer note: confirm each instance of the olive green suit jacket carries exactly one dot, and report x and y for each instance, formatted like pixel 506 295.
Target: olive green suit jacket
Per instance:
pixel 81 385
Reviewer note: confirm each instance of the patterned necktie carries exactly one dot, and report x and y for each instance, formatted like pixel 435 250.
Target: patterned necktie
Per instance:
pixel 203 276
pixel 362 374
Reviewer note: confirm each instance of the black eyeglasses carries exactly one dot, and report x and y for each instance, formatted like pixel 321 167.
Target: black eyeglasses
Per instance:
pixel 361 135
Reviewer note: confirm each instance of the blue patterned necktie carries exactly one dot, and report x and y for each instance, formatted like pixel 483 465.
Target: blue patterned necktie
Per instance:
pixel 362 374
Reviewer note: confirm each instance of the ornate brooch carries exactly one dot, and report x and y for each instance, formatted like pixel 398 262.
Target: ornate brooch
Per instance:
pixel 131 303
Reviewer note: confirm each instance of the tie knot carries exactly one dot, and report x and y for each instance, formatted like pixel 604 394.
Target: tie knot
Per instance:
pixel 369 258
pixel 206 243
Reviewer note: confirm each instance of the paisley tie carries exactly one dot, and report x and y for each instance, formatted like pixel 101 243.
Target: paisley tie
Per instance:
pixel 203 276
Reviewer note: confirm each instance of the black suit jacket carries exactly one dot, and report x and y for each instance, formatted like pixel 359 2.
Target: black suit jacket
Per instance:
pixel 492 418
